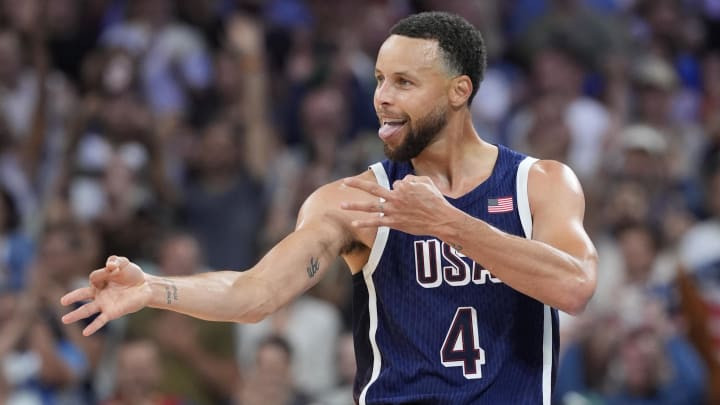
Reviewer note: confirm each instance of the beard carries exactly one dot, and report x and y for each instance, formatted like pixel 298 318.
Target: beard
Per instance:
pixel 419 136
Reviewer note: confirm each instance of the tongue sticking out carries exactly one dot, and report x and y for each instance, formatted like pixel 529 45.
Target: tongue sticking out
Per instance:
pixel 389 129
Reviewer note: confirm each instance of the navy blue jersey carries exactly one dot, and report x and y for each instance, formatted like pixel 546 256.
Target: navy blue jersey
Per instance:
pixel 431 326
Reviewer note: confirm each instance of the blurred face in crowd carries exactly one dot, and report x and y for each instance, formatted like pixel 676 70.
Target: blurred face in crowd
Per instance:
pixel 411 95
pixel 643 362
pixel 324 120
pixel 555 72
pixel 638 250
pixel 626 201
pixel 138 369
pixel 643 165
pixel 549 137
pixel 664 18
pixel 58 252
pixel 125 117
pixel 219 149
pixel 270 382
pixel 323 113
pixel 180 256
pixel 21 14
pixel 273 360
pixel 654 103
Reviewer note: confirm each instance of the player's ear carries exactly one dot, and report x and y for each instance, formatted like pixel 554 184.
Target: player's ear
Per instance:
pixel 460 89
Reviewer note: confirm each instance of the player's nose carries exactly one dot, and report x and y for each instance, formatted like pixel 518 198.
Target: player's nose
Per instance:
pixel 383 95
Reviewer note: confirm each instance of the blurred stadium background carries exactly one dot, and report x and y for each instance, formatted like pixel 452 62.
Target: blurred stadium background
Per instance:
pixel 184 134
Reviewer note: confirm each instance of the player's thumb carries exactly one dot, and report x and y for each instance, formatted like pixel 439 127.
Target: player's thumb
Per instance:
pixel 115 263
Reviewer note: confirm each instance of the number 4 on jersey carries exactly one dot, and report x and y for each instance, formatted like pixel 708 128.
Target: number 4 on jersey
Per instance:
pixel 461 347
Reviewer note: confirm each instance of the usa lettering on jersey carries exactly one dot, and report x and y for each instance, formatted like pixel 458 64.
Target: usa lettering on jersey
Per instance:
pixel 436 261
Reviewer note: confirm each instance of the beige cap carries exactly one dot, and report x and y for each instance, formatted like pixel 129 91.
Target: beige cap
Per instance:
pixel 655 72
pixel 643 137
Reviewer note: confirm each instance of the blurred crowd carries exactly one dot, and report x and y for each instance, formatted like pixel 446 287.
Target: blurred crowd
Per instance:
pixel 185 134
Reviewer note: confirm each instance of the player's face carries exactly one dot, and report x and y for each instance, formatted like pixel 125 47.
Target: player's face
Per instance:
pixel 411 95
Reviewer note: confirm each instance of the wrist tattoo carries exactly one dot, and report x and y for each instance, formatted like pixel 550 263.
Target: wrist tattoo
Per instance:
pixel 171 291
pixel 313 267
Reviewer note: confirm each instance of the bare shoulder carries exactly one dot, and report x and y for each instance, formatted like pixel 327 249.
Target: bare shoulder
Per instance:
pixel 327 198
pixel 323 206
pixel 551 173
pixel 553 182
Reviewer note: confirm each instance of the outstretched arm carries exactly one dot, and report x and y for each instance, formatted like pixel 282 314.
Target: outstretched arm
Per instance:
pixel 295 264
pixel 557 266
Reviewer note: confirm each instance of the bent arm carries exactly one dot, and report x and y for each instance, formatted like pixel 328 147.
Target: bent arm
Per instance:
pixel 558 265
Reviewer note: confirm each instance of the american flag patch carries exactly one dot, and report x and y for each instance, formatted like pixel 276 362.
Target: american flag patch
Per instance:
pixel 499 205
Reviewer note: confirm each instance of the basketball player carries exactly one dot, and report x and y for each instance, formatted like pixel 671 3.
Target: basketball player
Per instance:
pixel 461 251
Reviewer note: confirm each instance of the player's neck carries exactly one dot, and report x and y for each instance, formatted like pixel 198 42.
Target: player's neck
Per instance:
pixel 458 160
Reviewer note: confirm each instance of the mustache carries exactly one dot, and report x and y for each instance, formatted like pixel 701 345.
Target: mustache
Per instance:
pixel 386 113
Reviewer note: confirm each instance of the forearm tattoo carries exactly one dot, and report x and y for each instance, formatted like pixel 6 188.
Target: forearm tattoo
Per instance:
pixel 171 291
pixel 313 267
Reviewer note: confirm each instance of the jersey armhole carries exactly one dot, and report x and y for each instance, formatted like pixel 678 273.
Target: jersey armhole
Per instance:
pixel 383 232
pixel 523 201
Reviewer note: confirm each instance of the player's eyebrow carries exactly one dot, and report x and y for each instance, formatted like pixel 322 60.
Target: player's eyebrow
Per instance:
pixel 404 73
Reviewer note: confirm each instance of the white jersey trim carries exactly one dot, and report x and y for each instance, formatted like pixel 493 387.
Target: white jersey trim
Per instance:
pixel 368 270
pixel 547 355
pixel 523 201
pixel 527 224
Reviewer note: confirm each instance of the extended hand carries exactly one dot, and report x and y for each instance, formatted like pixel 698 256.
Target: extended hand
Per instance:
pixel 117 289
pixel 415 205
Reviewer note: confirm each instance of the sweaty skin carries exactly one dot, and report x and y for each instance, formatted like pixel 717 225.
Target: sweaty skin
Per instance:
pixel 556 267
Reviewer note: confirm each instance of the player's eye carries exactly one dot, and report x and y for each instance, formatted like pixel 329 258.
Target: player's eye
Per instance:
pixel 404 82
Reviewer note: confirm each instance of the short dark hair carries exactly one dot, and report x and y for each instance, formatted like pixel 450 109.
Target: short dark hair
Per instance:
pixel 463 48
pixel 278 341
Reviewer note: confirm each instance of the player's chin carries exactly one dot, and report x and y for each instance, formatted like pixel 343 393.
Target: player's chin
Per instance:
pixel 399 152
pixel 391 152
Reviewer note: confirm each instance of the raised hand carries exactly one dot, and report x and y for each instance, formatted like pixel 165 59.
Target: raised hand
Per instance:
pixel 117 289
pixel 415 205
